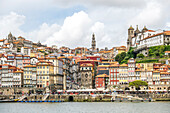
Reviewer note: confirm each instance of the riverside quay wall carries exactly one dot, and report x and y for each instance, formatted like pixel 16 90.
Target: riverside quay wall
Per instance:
pixel 31 94
pixel 87 97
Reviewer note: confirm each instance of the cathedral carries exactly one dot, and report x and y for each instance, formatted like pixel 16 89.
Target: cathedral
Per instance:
pixel 11 38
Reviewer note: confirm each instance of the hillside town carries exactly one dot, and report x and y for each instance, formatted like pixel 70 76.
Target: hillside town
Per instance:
pixel 26 64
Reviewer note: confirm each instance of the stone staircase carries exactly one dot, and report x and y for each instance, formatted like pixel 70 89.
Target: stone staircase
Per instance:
pixel 21 98
pixel 45 97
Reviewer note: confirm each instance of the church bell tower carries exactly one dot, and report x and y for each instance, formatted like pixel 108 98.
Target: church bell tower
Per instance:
pixel 130 35
pixel 93 42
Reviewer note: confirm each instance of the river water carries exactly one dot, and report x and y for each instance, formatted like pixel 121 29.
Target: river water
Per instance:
pixel 86 107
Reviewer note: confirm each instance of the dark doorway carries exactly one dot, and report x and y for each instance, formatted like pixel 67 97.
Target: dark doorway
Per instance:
pixel 127 88
pixel 70 99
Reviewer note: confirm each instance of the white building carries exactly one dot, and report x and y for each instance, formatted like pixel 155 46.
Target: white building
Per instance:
pixel 18 79
pixel 144 39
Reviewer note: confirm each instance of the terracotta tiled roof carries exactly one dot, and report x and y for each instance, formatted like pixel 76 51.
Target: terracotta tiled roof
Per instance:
pixel 30 66
pixel 156 71
pixel 5 47
pixel 86 65
pixel 114 65
pixel 18 72
pixel 10 55
pixel 137 70
pixel 16 42
pixel 103 65
pixel 102 75
pixel 7 43
pixel 4 64
pixel 150 31
pixel 152 36
pixel 167 51
pixel 164 73
pixel 123 65
pixel 1 40
pixel 166 33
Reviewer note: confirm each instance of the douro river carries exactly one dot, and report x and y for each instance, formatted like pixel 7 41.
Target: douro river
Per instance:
pixel 86 107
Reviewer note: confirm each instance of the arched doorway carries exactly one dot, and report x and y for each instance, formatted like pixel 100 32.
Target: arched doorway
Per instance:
pixel 70 99
pixel 127 88
pixel 168 89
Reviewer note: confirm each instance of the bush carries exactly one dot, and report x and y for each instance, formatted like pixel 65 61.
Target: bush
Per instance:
pixel 140 55
pixel 138 83
pixel 120 57
pixel 148 61
pixel 158 50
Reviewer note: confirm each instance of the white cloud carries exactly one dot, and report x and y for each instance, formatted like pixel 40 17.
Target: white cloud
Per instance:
pixel 44 32
pixel 149 16
pixel 168 24
pixel 77 30
pixel 108 19
pixel 11 23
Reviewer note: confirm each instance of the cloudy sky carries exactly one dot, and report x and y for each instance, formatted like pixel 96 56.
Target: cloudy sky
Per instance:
pixel 72 22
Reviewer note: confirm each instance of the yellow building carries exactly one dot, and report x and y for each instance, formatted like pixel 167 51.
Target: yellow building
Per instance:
pixel 123 73
pixel 58 71
pixel 118 50
pixel 29 79
pixel 45 74
pixel 156 77
pixel 146 71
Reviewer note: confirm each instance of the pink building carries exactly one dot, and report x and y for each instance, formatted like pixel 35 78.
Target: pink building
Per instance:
pixel 26 60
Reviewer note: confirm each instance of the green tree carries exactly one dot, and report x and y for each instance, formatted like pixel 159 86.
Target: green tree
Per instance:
pixel 140 55
pixel 120 57
pixel 123 54
pixel 156 53
pixel 138 84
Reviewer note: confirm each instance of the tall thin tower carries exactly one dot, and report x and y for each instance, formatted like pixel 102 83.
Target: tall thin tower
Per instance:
pixel 93 42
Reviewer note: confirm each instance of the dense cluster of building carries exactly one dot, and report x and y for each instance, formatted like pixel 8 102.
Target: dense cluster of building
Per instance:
pixel 27 64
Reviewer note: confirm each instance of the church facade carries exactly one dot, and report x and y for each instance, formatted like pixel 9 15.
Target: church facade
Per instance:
pixel 142 40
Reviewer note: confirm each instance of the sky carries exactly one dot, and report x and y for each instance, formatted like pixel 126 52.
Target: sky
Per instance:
pixel 71 23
